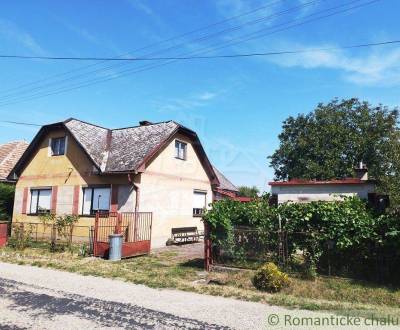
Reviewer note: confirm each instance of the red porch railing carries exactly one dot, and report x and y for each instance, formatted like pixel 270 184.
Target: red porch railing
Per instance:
pixel 135 228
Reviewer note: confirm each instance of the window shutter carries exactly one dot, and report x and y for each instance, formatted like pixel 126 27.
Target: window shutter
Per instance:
pixel 53 205
pixel 75 201
pixel 199 200
pixel 24 200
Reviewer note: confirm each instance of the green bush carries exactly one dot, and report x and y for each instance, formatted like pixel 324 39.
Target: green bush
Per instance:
pixel 344 238
pixel 269 278
pixel 21 236
pixel 6 201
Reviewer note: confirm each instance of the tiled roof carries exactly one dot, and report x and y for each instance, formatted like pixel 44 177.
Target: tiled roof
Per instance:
pixel 130 146
pixel 123 149
pixel 10 153
pixel 224 183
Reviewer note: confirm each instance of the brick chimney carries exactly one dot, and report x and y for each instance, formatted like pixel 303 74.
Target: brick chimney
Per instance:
pixel 361 171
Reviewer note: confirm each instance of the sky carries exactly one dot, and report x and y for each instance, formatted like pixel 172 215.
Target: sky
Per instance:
pixel 235 105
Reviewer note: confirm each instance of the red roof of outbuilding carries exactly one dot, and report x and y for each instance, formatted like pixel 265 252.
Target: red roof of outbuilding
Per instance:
pixel 301 182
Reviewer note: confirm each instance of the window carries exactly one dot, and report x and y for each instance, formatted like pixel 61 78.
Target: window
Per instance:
pixel 40 201
pixel 96 199
pixel 199 203
pixel 180 150
pixel 58 146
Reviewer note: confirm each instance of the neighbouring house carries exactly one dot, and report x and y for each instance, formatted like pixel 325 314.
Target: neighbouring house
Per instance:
pixel 226 189
pixel 10 153
pixel 74 167
pixel 303 191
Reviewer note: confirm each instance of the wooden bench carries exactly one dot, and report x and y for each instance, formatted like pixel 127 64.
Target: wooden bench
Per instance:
pixel 185 234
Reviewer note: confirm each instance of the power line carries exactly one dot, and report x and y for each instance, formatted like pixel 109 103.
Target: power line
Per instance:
pixel 20 123
pixel 155 43
pixel 202 38
pixel 284 52
pixel 232 41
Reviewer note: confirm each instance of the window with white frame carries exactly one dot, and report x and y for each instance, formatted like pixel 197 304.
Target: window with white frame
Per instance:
pixel 40 201
pixel 199 203
pixel 180 149
pixel 57 146
pixel 96 199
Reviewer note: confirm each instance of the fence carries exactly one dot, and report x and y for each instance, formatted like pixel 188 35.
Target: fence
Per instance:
pixel 57 238
pixel 247 247
pixel 135 228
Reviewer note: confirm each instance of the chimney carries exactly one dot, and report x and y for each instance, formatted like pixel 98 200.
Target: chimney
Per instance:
pixel 145 123
pixel 361 171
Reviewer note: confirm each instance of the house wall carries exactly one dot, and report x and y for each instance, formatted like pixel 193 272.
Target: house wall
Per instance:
pixel 308 193
pixel 69 173
pixel 167 187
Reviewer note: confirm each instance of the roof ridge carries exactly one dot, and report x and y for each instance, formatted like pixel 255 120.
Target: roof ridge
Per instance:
pixel 85 122
pixel 152 124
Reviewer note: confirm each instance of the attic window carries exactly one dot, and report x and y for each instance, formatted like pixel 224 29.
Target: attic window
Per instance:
pixel 180 150
pixel 58 146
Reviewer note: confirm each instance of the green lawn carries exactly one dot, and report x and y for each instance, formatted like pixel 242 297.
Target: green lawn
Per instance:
pixel 171 269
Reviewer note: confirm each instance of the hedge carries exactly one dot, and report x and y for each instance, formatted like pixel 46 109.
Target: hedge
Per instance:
pixel 348 236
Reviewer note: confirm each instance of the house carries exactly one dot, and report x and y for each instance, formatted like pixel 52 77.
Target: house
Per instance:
pixel 10 153
pixel 303 191
pixel 226 189
pixel 74 167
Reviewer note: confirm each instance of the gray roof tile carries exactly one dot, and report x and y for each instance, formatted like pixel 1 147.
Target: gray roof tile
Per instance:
pixel 224 183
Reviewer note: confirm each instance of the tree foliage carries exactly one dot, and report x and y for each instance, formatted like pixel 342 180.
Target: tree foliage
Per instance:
pixel 6 201
pixel 246 191
pixel 328 142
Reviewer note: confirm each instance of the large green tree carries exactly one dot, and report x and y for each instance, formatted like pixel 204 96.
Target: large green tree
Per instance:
pixel 328 142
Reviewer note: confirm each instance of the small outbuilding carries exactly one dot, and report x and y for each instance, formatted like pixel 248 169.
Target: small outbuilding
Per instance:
pixel 304 191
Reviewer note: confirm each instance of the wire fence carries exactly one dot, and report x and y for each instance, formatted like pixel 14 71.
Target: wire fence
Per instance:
pixel 31 233
pixel 247 247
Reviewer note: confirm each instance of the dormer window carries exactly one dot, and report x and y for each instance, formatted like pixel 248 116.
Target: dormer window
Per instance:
pixel 58 146
pixel 180 150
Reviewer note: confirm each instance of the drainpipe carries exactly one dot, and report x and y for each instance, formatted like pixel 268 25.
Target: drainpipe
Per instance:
pixel 137 200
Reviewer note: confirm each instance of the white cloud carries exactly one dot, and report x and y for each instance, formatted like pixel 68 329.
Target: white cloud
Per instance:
pixel 207 96
pixel 364 67
pixel 11 31
pixel 187 103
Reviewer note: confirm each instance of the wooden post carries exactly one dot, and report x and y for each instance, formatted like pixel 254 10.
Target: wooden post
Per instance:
pixel 95 233
pixel 207 247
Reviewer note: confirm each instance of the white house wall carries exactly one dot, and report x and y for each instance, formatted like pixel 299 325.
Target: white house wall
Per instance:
pixel 308 193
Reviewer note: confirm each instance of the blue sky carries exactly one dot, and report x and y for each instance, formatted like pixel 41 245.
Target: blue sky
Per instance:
pixel 235 105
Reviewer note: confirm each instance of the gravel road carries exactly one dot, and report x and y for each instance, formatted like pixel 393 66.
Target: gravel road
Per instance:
pixel 37 298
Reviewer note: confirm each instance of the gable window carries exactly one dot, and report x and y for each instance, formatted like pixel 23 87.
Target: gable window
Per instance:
pixel 180 150
pixel 199 203
pixel 40 201
pixel 58 146
pixel 96 199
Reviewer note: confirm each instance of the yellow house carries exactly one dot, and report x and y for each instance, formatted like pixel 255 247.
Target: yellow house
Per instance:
pixel 74 167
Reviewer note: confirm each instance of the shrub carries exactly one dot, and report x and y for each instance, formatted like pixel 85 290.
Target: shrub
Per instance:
pixel 6 201
pixel 270 278
pixel 21 236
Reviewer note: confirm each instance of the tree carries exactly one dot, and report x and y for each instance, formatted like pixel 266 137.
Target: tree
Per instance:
pixel 6 201
pixel 328 142
pixel 251 192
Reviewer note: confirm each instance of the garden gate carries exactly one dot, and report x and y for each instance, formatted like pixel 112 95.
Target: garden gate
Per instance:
pixel 135 228
pixel 3 233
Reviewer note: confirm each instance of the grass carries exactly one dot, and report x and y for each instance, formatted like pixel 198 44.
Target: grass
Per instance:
pixel 171 269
